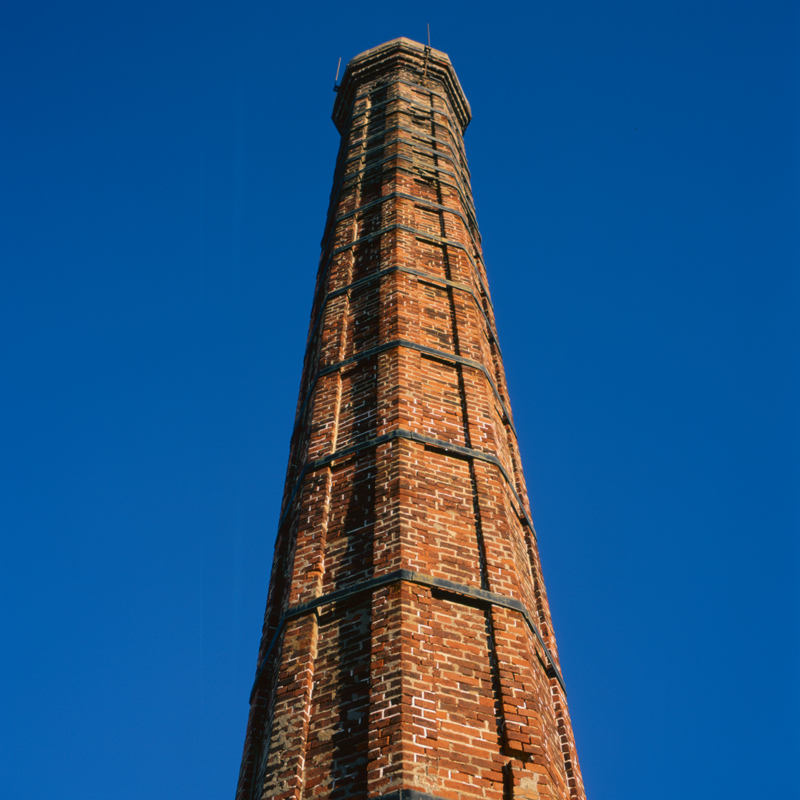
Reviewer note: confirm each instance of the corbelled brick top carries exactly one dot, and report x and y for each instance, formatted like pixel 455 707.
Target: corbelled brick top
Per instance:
pixel 408 650
pixel 390 55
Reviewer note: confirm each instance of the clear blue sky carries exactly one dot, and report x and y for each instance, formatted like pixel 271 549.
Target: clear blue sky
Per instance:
pixel 164 177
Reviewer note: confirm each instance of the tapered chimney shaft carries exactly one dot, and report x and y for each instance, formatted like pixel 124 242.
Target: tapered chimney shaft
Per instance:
pixel 407 649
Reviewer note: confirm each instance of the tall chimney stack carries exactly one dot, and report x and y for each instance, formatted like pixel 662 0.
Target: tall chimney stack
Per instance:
pixel 407 651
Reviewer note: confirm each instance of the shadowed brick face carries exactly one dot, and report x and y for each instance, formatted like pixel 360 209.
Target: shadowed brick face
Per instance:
pixel 407 644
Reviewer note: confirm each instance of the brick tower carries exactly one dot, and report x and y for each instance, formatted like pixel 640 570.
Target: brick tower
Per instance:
pixel 407 649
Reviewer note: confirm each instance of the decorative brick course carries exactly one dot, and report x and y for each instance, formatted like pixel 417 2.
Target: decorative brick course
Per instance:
pixel 407 649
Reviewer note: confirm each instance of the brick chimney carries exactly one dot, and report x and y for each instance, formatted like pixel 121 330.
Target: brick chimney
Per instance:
pixel 407 650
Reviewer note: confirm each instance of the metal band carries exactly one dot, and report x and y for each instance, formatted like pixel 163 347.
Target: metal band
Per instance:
pixel 355 113
pixel 420 148
pixel 401 98
pixel 422 235
pixel 421 579
pixel 382 348
pixel 415 148
pixel 395 196
pixel 431 137
pixel 383 132
pixel 436 171
pixel 345 159
pixel 405 83
pixel 357 98
pixel 466 202
pixel 341 166
pixel 419 134
pixel 400 433
pixel 492 334
pixel 419 170
pixel 427 89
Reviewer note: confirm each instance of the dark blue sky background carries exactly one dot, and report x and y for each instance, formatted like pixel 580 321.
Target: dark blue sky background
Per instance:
pixel 164 177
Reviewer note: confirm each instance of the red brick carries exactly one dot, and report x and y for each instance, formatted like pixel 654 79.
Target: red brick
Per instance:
pixel 405 686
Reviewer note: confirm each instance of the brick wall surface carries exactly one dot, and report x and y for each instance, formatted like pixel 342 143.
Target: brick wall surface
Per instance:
pixel 407 643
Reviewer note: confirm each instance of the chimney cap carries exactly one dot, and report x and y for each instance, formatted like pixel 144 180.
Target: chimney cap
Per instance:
pixel 368 64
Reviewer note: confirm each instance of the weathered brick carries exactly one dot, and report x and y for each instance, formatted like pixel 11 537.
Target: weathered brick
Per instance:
pixel 404 456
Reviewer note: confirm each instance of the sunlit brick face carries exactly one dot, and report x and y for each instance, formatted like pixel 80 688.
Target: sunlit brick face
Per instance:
pixel 407 642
